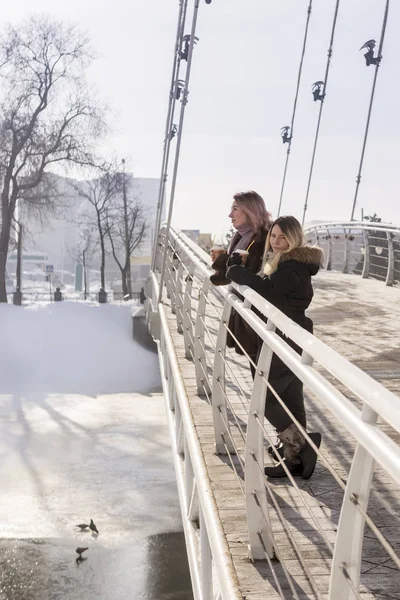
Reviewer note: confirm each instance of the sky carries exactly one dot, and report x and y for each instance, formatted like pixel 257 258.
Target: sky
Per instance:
pixel 241 93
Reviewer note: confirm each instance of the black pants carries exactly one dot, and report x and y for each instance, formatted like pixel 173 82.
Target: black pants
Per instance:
pixel 290 389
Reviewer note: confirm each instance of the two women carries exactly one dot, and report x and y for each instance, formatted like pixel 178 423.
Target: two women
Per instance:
pixel 285 281
pixel 251 220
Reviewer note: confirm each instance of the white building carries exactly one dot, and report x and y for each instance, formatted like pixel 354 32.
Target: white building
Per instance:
pixel 58 236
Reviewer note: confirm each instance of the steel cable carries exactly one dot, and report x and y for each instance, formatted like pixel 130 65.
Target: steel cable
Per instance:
pixel 309 10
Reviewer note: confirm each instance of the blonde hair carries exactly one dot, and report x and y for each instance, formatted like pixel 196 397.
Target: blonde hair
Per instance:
pixel 254 206
pixel 294 235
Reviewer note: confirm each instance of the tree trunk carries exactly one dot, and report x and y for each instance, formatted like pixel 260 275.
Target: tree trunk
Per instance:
pixel 128 276
pixel 125 291
pixel 127 267
pixel 103 263
pixel 4 244
pixel 19 259
pixel 103 253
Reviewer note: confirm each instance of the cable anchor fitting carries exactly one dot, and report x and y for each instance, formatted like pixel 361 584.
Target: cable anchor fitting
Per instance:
pixel 318 90
pixel 173 132
pixel 286 134
pixel 370 59
pixel 184 54
pixel 179 86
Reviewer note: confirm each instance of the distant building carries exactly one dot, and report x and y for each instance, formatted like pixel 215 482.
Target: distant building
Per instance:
pixel 57 236
pixel 204 240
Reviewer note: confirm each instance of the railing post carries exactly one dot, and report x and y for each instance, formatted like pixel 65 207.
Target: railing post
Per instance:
pixel 346 252
pixel 220 413
pixel 187 314
pixel 160 249
pixel 179 439
pixel 206 562
pixel 365 270
pixel 168 266
pixel 258 523
pixel 179 299
pixel 192 505
pixel 347 555
pixel 390 267
pixel 200 363
pixel 172 279
pixel 329 252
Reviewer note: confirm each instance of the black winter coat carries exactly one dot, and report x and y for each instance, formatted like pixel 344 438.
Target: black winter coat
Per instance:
pixel 289 288
pixel 239 328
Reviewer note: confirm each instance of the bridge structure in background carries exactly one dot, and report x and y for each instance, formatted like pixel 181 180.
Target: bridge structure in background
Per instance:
pixel 337 535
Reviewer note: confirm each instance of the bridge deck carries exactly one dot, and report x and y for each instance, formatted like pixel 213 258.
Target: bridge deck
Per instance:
pixel 361 320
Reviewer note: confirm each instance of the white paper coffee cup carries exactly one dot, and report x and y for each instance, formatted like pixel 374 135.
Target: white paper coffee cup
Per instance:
pixel 244 254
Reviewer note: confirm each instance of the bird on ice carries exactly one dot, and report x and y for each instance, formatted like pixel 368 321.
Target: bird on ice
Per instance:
pixel 80 551
pixel 83 526
pixel 93 527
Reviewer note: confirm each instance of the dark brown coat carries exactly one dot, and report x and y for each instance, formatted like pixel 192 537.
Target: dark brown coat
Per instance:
pixel 239 328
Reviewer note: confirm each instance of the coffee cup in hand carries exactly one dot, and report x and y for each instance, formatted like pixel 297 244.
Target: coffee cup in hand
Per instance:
pixel 216 251
pixel 244 254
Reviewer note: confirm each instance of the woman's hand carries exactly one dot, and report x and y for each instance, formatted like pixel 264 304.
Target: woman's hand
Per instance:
pixel 240 275
pixel 234 259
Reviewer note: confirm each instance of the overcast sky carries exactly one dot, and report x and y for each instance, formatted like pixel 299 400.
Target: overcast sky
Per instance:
pixel 242 90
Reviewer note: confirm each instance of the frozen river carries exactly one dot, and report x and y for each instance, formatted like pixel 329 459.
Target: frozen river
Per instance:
pixel 67 457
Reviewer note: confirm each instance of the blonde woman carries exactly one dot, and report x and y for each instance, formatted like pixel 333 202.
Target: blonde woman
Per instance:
pixel 285 281
pixel 251 220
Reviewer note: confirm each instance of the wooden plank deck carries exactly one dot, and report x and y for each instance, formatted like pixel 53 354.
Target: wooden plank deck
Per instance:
pixel 361 320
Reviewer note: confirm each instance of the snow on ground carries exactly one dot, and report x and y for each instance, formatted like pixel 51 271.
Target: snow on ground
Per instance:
pixel 73 347
pixel 83 435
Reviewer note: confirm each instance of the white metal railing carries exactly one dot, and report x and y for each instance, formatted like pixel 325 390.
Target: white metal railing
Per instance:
pixel 202 315
pixel 361 247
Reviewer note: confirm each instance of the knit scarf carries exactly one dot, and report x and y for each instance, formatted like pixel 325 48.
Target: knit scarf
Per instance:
pixel 242 238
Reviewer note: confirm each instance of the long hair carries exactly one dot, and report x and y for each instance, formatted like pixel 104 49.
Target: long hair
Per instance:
pixel 294 235
pixel 254 207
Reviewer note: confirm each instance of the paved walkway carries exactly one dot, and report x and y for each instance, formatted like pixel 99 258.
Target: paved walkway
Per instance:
pixel 361 320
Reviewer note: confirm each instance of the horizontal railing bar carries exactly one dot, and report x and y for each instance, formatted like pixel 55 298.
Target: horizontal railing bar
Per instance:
pixel 384 402
pixel 218 543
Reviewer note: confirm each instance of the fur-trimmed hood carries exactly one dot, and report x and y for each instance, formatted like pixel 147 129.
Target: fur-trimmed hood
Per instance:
pixel 312 256
pixel 304 254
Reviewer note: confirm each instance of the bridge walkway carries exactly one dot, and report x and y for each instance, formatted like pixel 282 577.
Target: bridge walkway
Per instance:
pixel 361 320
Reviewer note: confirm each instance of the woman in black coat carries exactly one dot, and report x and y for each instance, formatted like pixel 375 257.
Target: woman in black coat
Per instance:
pixel 286 283
pixel 251 220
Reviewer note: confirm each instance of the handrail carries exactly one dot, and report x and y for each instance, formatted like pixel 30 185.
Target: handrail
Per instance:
pixel 218 546
pixel 373 393
pixel 193 301
pixel 376 246
pixel 355 225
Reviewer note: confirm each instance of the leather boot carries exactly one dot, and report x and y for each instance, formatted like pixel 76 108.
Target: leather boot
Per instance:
pixel 279 471
pixel 308 455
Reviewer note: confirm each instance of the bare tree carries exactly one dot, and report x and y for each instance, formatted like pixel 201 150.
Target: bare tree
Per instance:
pixel 100 192
pixel 46 114
pixel 126 228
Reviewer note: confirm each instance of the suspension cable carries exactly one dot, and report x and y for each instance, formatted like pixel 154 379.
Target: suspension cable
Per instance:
pixel 185 93
pixel 321 108
pixel 170 118
pixel 309 10
pixel 371 102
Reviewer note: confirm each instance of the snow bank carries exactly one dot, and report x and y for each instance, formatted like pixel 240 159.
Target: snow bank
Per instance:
pixel 73 348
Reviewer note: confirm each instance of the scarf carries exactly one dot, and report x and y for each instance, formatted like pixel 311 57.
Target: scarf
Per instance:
pixel 242 238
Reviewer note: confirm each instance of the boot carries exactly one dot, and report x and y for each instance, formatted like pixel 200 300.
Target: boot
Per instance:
pixel 279 471
pixel 308 456
pixel 279 449
pixel 292 442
